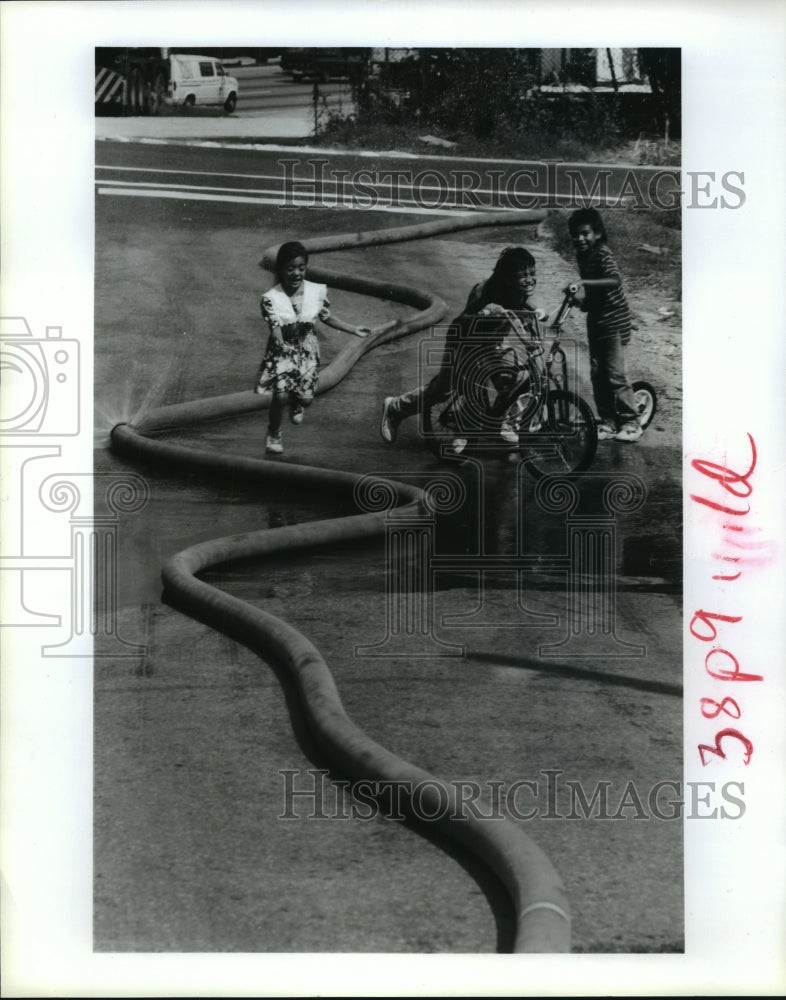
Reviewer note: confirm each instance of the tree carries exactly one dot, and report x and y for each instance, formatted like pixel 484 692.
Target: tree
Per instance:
pixel 663 68
pixel 475 91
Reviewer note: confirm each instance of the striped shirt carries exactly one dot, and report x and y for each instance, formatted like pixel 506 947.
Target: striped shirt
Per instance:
pixel 607 308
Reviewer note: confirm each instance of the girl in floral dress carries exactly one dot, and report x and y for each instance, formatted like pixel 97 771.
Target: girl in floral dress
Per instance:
pixel 290 367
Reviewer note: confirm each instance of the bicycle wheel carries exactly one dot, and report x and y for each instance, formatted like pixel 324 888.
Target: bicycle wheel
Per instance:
pixel 565 441
pixel 440 426
pixel 646 402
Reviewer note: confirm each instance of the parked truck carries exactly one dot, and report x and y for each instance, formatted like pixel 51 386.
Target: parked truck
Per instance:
pixel 145 81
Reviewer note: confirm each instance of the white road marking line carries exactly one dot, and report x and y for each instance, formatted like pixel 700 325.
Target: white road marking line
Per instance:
pixel 299 201
pixel 189 187
pixel 193 195
pixel 312 182
pixel 571 198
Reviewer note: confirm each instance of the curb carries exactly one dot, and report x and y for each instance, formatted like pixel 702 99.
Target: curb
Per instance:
pixel 242 140
pixel 216 140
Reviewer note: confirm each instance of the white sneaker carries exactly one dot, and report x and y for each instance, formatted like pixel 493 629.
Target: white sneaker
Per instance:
pixel 630 432
pixel 508 433
pixel 296 412
pixel 606 431
pixel 459 444
pixel 388 428
pixel 273 444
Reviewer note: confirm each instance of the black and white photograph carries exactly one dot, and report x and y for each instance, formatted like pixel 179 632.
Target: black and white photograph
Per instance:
pixel 392 537
pixel 481 656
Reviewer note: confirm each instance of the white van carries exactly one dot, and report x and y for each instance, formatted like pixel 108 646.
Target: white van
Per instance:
pixel 200 80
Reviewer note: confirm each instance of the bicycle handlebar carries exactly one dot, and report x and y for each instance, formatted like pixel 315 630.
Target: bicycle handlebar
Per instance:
pixel 568 303
pixel 514 318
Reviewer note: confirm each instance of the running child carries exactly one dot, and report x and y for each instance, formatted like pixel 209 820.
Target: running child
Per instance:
pixel 290 366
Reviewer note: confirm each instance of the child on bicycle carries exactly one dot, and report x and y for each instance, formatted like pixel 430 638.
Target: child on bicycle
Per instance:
pixel 509 287
pixel 608 327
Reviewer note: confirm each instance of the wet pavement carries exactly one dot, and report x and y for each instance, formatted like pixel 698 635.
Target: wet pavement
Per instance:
pixel 193 736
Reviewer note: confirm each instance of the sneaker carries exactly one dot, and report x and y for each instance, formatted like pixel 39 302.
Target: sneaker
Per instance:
pixel 273 444
pixel 606 431
pixel 508 433
pixel 296 412
pixel 630 432
pixel 526 404
pixel 459 444
pixel 388 428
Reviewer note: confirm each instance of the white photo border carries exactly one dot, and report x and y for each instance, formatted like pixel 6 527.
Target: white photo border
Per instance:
pixel 734 104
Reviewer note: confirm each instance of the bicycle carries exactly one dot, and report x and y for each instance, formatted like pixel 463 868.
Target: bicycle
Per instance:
pixel 644 394
pixel 521 385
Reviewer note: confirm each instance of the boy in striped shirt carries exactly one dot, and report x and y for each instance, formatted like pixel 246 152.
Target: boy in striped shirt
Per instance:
pixel 608 327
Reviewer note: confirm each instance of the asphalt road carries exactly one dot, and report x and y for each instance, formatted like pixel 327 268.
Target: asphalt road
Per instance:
pixel 192 737
pixel 231 169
